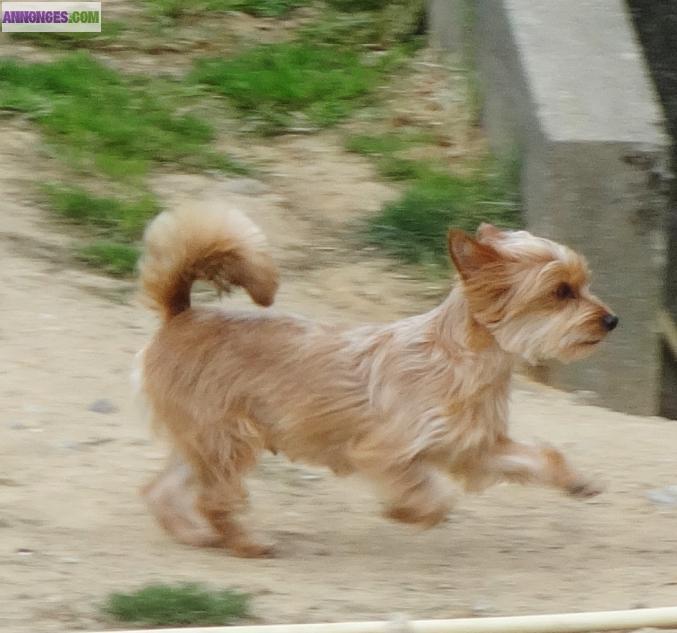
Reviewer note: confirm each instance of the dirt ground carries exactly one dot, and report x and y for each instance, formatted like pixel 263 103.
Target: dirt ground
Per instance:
pixel 74 450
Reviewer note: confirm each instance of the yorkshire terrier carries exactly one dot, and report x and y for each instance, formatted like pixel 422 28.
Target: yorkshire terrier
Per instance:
pixel 409 406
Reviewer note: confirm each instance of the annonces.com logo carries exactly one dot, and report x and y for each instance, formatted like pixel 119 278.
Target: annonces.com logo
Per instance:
pixel 51 17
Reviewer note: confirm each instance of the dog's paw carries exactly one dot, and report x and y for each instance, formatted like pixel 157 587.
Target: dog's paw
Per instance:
pixel 414 516
pixel 584 489
pixel 251 549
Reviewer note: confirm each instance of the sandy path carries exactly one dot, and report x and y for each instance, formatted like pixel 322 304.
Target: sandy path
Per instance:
pixel 72 527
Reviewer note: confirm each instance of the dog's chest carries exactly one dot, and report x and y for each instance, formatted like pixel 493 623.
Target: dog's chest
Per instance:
pixel 476 410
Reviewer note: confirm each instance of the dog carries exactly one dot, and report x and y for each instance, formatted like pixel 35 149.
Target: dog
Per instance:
pixel 410 406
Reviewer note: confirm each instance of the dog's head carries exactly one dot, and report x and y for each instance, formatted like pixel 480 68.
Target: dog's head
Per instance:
pixel 530 293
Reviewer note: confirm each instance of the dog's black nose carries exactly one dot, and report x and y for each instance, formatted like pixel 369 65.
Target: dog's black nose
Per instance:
pixel 610 321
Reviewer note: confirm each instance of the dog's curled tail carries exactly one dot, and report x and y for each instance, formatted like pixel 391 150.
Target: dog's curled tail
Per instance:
pixel 221 246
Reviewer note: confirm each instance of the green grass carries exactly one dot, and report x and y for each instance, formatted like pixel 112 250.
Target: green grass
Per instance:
pixel 384 149
pixel 396 168
pixel 111 29
pixel 105 215
pixel 101 120
pixel 273 83
pixel 382 144
pixel 114 129
pixel 371 24
pixel 358 5
pixel 414 227
pixel 266 8
pixel 345 30
pixel 182 605
pixel 118 224
pixel 175 10
pixel 114 258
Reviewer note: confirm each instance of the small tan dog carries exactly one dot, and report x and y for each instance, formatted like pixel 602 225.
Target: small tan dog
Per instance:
pixel 408 405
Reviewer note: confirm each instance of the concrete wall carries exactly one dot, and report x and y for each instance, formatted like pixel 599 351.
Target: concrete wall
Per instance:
pixel 446 24
pixel 565 83
pixel 656 24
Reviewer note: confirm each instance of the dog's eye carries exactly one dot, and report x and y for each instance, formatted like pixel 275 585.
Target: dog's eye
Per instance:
pixel 565 291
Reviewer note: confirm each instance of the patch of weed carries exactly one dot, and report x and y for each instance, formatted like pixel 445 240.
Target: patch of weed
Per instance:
pixel 110 30
pixel 175 10
pixel 369 24
pixel 345 30
pixel 276 82
pixel 266 8
pixel 384 148
pixel 382 144
pixel 112 128
pixel 358 5
pixel 396 168
pixel 118 223
pixel 109 216
pixel 182 605
pixel 100 118
pixel 414 227
pixel 114 258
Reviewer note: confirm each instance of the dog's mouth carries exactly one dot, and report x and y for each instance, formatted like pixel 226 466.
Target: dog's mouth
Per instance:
pixel 580 349
pixel 590 343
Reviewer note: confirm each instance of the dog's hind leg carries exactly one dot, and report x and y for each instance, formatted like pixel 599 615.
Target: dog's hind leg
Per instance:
pixel 172 498
pixel 221 462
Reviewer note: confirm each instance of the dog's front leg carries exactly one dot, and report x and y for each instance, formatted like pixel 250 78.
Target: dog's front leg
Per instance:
pixel 522 463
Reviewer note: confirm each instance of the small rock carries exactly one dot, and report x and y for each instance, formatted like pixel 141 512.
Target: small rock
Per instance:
pixel 584 397
pixel 70 560
pixel 482 609
pixel 139 443
pixel 311 477
pixel 23 551
pixel 398 623
pixel 32 408
pixel 264 591
pixel 246 186
pixel 96 441
pixel 103 406
pixel 666 496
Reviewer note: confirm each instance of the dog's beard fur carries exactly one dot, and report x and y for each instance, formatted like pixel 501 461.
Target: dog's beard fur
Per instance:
pixel 408 405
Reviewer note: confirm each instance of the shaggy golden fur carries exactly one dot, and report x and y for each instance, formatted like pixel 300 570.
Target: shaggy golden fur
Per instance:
pixel 409 405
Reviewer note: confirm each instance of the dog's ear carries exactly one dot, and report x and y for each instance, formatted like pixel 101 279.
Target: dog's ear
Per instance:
pixel 469 255
pixel 487 231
